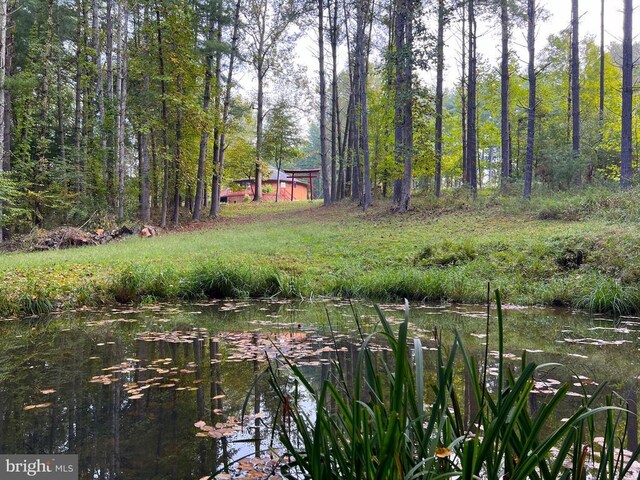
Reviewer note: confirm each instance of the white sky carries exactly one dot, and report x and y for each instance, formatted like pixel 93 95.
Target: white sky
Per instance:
pixel 489 44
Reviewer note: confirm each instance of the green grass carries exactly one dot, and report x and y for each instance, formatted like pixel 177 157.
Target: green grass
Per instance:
pixel 577 250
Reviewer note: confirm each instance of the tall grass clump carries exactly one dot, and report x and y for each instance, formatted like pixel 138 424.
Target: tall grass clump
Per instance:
pixel 377 425
pixel 218 280
pixel 610 296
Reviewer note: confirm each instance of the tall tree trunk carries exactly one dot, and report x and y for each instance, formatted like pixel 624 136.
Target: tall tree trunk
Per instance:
pixel 626 171
pixel 335 112
pixel 601 94
pixel 326 180
pixel 217 129
pixel 177 160
pixel 7 59
pixel 531 114
pixel 3 72
pixel 145 191
pixel 463 97
pixel 215 185
pixel 110 108
pixel 143 140
pixel 575 87
pixel 61 130
pixel 165 143
pixel 123 23
pixel 97 47
pixel 204 134
pixel 505 147
pixel 439 96
pixel 367 200
pixel 403 104
pixel 472 131
pixel 77 123
pixel 257 194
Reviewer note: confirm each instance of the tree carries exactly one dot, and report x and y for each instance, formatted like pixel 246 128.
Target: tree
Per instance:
pixel 267 23
pixel 505 147
pixel 403 102
pixel 626 171
pixel 3 71
pixel 219 162
pixel 360 95
pixel 472 132
pixel 442 19
pixel 121 94
pixel 575 86
pixel 531 111
pixel 206 100
pixel 324 164
pixel 282 141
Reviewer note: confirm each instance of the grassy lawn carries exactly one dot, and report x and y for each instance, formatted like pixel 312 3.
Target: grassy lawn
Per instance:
pixel 578 251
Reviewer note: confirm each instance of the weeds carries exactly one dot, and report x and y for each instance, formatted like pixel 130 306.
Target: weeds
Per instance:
pixel 378 426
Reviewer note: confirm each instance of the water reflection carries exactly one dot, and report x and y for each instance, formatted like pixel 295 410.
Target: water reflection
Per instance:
pixel 124 388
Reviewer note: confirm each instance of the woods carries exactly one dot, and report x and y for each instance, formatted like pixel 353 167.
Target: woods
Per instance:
pixel 133 110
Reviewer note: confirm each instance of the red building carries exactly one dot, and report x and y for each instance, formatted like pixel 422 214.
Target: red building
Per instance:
pixel 286 188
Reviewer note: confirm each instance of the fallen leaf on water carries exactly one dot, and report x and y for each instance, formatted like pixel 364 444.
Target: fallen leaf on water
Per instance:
pixel 443 452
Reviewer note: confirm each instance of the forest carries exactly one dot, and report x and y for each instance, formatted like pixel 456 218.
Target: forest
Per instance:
pixel 143 110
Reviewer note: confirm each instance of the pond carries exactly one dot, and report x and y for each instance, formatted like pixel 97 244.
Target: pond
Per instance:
pixel 158 391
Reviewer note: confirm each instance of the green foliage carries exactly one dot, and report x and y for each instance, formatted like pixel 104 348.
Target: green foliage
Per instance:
pixel 380 427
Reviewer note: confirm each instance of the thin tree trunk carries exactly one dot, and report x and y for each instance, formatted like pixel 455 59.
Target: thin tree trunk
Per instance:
pixel 362 95
pixel 3 73
pixel 217 148
pixel 439 96
pixel 143 138
pixel 257 194
pixel 61 131
pixel 505 147
pixel 626 171
pixel 472 132
pixel 123 23
pixel 531 114
pixel 177 161
pixel 77 123
pixel 575 87
pixel 97 46
pixel 204 135
pixel 601 94
pixel 110 157
pixel 403 104
pixel 5 160
pixel 165 143
pixel 215 185
pixel 326 180
pixel 335 112
pixel 463 97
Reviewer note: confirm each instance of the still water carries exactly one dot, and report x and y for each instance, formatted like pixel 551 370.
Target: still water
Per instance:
pixel 158 391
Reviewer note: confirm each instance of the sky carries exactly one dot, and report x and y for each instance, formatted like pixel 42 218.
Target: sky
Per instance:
pixel 489 44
